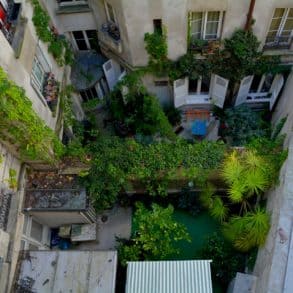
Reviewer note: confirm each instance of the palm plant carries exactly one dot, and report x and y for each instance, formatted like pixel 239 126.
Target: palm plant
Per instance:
pixel 218 209
pixel 247 175
pixel 248 231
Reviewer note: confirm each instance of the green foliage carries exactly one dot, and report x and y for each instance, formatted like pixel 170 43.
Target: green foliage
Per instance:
pixel 218 209
pixel 248 231
pixel 58 47
pixel 226 262
pixel 139 111
pixel 247 175
pixel 117 162
pixel 66 106
pixel 12 181
pixel 242 125
pixel 91 104
pixel 154 235
pixel 173 114
pixel 22 127
pixel 156 46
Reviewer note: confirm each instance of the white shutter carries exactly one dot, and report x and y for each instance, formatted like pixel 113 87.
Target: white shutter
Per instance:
pixel 110 74
pixel 180 91
pixel 275 89
pixel 218 90
pixel 123 73
pixel 243 90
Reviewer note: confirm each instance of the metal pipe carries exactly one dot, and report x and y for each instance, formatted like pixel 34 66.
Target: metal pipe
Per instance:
pixel 249 15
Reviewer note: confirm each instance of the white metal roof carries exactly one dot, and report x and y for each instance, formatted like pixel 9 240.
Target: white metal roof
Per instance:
pixel 68 271
pixel 191 276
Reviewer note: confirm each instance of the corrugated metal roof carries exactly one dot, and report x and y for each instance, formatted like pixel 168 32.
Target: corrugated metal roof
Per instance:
pixel 191 276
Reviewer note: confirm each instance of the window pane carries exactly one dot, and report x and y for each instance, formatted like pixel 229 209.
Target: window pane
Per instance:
pixel 211 30
pixel 288 25
pixel 279 12
pixel 205 85
pixel 195 28
pixel 196 16
pixel 275 24
pixel 290 13
pixel 78 35
pixel 213 16
pixel 37 231
pixel 84 96
pixel 255 84
pixel 267 83
pixel 81 44
pixel 192 85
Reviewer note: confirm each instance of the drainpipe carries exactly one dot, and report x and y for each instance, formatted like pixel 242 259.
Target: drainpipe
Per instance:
pixel 249 15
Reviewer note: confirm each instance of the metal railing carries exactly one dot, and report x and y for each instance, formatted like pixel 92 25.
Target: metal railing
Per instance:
pixel 278 42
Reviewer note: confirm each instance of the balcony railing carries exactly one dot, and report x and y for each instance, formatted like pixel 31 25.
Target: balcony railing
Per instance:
pixel 111 36
pixel 278 42
pixel 12 25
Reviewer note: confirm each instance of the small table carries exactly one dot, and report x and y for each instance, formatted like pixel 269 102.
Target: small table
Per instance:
pixel 199 127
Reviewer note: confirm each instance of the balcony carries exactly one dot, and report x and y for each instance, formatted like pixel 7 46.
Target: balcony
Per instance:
pixel 278 42
pixel 12 25
pixel 110 35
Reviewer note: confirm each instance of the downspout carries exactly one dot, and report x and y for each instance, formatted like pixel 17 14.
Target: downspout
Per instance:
pixel 249 15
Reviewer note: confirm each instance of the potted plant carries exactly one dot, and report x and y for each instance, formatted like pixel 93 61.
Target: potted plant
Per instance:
pixel 198 44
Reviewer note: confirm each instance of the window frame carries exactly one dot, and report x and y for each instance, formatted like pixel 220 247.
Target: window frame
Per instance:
pixel 85 38
pixel 280 29
pixel 28 239
pixel 204 22
pixel 107 5
pixel 72 2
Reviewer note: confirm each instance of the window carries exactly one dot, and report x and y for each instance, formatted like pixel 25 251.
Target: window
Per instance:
pixel 38 74
pixel 89 94
pixel 86 40
pixel 205 25
pixel 161 82
pixel 110 12
pixel 200 86
pixel 35 235
pixel 158 26
pixel 281 27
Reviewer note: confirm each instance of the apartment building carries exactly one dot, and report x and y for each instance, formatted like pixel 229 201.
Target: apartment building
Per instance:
pixel 115 30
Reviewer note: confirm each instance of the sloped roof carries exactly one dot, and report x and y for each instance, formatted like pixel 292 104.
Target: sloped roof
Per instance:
pixel 191 276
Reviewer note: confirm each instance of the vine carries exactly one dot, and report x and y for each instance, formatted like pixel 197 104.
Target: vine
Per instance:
pixel 58 46
pixel 21 126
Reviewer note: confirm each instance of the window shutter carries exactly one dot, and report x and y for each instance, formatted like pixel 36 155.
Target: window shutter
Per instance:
pixel 110 74
pixel 180 87
pixel 243 90
pixel 218 90
pixel 275 89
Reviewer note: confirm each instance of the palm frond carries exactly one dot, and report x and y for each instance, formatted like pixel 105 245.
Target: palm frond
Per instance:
pixel 256 182
pixel 218 210
pixel 236 191
pixel 232 168
pixel 206 195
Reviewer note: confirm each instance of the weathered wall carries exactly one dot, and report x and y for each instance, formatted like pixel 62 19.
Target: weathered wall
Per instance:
pixel 272 259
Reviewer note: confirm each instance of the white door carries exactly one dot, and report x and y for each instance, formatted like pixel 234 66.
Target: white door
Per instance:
pixel 109 72
pixel 243 90
pixel 180 91
pixel 275 89
pixel 218 90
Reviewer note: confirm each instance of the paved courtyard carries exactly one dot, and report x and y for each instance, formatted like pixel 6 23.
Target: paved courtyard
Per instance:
pixel 117 222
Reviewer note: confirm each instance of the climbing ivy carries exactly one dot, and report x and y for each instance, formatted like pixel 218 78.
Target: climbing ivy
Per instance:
pixel 58 46
pixel 21 126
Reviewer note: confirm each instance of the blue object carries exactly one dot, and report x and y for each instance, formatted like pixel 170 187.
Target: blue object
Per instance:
pixel 199 127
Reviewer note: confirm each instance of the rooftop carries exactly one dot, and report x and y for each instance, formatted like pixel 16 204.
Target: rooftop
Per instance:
pixel 169 277
pixel 67 271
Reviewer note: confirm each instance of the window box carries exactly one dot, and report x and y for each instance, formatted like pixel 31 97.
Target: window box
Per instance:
pixel 112 30
pixel 51 91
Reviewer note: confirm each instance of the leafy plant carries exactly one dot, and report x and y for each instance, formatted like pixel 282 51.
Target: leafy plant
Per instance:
pixel 154 235
pixel 248 231
pixel 226 261
pixel 173 114
pixel 242 125
pixel 12 181
pixel 58 47
pixel 22 127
